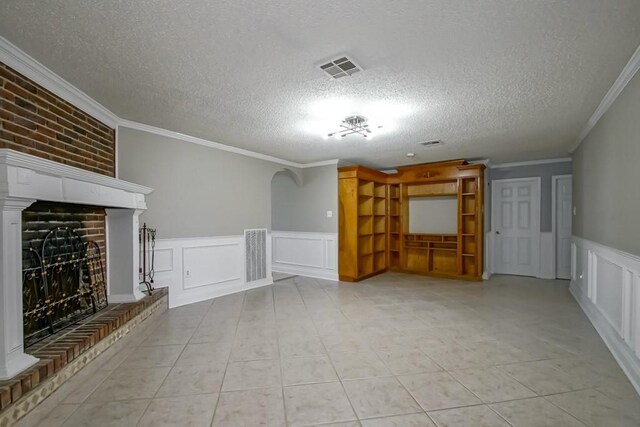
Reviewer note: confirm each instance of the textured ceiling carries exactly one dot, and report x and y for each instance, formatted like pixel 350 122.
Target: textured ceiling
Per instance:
pixel 508 80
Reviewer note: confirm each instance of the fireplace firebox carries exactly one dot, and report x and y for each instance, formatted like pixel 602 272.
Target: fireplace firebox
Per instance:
pixel 63 282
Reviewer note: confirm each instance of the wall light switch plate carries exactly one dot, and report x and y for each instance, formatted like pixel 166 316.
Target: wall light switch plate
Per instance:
pixel 329 214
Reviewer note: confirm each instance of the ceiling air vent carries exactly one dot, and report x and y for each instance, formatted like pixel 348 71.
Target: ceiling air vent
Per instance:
pixel 431 143
pixel 341 67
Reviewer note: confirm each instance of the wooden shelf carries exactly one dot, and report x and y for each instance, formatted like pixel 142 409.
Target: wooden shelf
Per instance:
pixel 375 210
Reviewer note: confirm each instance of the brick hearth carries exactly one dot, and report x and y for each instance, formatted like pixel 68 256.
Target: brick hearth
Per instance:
pixel 58 351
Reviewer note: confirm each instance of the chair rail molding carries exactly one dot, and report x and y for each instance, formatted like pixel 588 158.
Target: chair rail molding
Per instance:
pixel 606 283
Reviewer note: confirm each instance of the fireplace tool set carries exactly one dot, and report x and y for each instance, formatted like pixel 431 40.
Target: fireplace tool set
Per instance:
pixel 147 239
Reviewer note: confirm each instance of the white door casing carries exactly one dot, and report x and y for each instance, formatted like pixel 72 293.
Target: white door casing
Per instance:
pixel 562 216
pixel 516 226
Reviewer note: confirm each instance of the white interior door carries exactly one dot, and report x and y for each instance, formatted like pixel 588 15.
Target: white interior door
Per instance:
pixel 563 227
pixel 516 226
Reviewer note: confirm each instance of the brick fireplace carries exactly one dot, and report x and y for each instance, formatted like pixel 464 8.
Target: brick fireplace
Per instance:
pixel 31 188
pixel 57 166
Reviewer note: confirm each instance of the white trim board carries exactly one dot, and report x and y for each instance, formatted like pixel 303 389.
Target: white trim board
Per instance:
pixel 219 146
pixel 621 82
pixel 529 163
pixel 606 284
pixel 305 254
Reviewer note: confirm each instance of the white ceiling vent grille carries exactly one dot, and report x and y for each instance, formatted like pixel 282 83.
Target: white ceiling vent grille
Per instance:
pixel 341 67
pixel 255 248
pixel 431 143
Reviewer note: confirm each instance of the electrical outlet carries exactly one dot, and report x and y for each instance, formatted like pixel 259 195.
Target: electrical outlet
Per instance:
pixel 329 214
pixel 187 273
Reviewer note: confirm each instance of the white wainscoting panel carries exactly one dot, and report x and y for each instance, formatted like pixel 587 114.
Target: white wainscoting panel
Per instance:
pixel 163 260
pixel 211 264
pixel 197 269
pixel 606 284
pixel 306 254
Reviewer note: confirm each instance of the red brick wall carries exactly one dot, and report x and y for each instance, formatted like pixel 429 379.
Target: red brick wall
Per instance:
pixel 35 121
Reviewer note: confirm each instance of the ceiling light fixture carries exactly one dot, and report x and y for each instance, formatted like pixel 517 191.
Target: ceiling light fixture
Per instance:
pixel 411 154
pixel 351 125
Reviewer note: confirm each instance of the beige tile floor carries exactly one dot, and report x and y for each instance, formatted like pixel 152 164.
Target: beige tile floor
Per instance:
pixel 395 350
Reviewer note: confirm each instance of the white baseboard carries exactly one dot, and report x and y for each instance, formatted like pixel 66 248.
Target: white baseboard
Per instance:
pixel 301 271
pixel 305 254
pixel 606 284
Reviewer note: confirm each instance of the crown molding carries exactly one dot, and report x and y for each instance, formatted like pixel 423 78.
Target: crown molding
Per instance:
pixel 317 164
pixel 621 82
pixel 15 58
pixel 204 142
pixel 485 162
pixel 129 124
pixel 529 163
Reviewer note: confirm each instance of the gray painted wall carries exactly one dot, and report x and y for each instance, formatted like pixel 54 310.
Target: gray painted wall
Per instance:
pixel 199 191
pixel 545 172
pixel 606 180
pixel 304 208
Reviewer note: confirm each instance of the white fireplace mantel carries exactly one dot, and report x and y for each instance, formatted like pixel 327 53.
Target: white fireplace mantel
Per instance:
pixel 25 179
pixel 30 177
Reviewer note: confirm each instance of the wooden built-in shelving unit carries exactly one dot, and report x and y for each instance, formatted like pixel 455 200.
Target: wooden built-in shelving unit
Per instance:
pixel 374 221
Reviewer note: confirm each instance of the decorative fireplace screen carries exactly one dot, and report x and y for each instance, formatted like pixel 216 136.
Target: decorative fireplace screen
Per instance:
pixel 62 282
